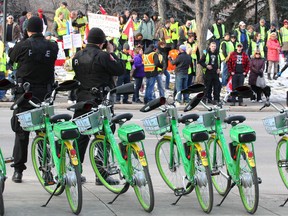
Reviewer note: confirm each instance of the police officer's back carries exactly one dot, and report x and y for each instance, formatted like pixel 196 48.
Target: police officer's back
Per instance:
pixel 35 57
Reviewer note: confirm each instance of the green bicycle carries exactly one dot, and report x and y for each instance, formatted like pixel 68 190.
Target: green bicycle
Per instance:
pixel 2 179
pixel 277 125
pixel 236 166
pixel 54 150
pixel 126 161
pixel 183 166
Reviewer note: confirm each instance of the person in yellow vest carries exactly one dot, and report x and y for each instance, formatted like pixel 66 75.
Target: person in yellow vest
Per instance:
pixel 123 37
pixel 251 31
pixel 3 63
pixel 273 28
pixel 136 22
pixel 218 30
pixel 60 29
pixel 284 39
pixel 234 41
pixel 126 58
pixel 174 27
pixel 152 61
pixel 183 31
pixel 192 47
pixel 211 64
pixel 79 23
pixel 262 28
pixel 243 36
pixel 257 44
pixel 62 9
pixel 226 47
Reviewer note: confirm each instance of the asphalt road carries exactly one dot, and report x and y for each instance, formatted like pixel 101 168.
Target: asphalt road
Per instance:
pixel 27 198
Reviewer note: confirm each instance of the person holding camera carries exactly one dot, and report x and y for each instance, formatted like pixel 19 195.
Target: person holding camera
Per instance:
pixel 95 69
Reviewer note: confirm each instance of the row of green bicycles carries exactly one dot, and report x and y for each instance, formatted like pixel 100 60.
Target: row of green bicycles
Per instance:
pixel 198 159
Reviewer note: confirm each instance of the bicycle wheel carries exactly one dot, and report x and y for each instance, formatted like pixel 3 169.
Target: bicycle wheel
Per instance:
pixel 143 185
pixel 1 197
pixel 37 159
pixel 203 187
pixel 282 160
pixel 248 188
pixel 218 167
pixel 73 186
pixel 172 176
pixel 103 170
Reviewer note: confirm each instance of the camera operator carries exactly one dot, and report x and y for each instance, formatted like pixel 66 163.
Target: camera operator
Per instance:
pixel 95 68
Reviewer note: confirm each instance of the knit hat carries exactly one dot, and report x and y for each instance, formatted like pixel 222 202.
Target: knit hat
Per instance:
pixel 96 36
pixel 285 21
pixel 40 10
pixel 241 23
pixel 183 47
pixel 47 33
pixel 126 46
pixel 35 24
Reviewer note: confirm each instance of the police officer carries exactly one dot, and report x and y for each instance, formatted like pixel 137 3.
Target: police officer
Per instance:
pixel 35 57
pixel 95 68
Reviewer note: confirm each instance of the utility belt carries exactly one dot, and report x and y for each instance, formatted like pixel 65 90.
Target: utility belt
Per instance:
pixel 99 92
pixel 21 86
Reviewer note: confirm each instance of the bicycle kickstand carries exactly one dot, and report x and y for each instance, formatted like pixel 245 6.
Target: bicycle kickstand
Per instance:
pixel 58 185
pixel 180 196
pixel 226 194
pixel 121 192
pixel 284 203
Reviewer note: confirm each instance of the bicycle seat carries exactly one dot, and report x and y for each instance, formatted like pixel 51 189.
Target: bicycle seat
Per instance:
pixel 231 119
pixel 185 118
pixel 117 119
pixel 56 118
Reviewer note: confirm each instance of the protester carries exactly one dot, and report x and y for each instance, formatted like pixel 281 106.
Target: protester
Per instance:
pixel 257 44
pixel 42 16
pixel 64 10
pixel 147 29
pixel 183 31
pixel 13 32
pixel 138 73
pixel 284 40
pixel 273 52
pixel 174 27
pixel 60 29
pixel 218 30
pixel 243 36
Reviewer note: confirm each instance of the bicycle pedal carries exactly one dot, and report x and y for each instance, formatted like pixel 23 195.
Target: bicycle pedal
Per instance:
pixel 179 191
pixel 283 163
pixel 215 172
pixel 49 183
pixel 259 180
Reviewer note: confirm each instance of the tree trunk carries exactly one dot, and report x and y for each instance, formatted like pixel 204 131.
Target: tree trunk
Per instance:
pixel 273 12
pixel 162 8
pixel 203 12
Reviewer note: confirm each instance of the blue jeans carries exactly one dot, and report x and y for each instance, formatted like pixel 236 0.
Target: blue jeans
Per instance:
pixel 138 84
pixel 123 79
pixel 160 85
pixel 150 82
pixel 181 83
pixel 224 74
pixel 2 92
pixel 167 81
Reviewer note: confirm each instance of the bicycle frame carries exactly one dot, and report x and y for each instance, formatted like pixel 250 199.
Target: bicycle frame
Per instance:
pixel 233 165
pixel 187 163
pixel 2 165
pixel 109 136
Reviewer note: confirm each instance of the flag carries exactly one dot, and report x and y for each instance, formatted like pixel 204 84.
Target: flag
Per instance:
pixel 86 32
pixel 128 30
pixel 102 10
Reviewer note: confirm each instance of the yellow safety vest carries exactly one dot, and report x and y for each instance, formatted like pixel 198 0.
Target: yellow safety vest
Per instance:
pixel 126 58
pixel 260 48
pixel 167 35
pixel 136 25
pixel 229 49
pixel 216 32
pixel 239 36
pixel 62 27
pixel 262 32
pixel 148 61
pixel 185 30
pixel 284 33
pixel 82 20
pixel 175 27
pixel 207 60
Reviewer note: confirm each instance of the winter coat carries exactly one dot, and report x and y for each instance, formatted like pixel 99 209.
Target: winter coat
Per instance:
pixel 232 62
pixel 257 66
pixel 138 66
pixel 273 52
pixel 147 29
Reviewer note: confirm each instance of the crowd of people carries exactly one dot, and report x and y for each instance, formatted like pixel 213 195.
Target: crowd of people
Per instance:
pixel 162 47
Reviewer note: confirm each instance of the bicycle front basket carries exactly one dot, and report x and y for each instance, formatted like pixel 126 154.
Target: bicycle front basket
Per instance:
pixel 276 124
pixel 33 120
pixel 157 124
pixel 89 123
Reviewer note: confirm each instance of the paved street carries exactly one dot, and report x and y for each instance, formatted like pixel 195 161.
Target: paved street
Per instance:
pixel 26 198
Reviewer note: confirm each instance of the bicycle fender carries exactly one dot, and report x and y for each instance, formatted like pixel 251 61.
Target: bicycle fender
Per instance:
pixel 142 158
pixel 251 160
pixel 203 158
pixel 73 157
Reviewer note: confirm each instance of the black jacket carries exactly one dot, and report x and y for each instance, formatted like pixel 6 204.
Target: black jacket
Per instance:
pixel 95 68
pixel 182 62
pixel 36 58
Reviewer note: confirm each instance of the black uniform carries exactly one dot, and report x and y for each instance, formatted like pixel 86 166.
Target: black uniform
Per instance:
pixel 36 58
pixel 94 68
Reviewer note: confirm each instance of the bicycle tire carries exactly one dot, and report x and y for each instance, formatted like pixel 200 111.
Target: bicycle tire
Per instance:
pixel 2 210
pixel 203 187
pixel 220 182
pixel 281 156
pixel 73 183
pixel 173 176
pixel 143 186
pixel 248 184
pixel 37 155
pixel 102 171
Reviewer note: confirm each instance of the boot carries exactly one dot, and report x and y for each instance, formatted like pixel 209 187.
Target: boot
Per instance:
pixel 269 77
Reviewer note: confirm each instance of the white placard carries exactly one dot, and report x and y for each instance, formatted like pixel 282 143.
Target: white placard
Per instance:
pixel 67 40
pixel 109 24
pixel 61 53
pixel 72 41
pixel 77 40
